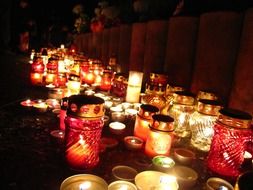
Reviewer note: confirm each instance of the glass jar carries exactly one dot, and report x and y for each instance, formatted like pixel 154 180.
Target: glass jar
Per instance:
pixel 201 123
pixel 52 70
pixel 84 123
pixel 143 120
pixel 74 84
pixel 181 110
pixel 233 136
pixel 159 139
pixel 37 72
pixel 119 85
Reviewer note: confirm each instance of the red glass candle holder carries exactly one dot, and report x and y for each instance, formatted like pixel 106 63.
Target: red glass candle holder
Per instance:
pixel 233 136
pixel 37 72
pixel 106 80
pixel 119 86
pixel 84 122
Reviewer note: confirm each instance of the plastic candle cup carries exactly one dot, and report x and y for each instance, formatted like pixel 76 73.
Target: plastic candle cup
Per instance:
pixel 121 185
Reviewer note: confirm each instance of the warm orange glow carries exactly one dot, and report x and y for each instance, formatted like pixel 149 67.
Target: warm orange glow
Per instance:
pixel 36 78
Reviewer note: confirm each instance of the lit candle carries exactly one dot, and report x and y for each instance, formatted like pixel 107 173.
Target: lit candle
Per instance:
pixel 27 103
pixel 84 182
pixel 117 127
pixel 133 143
pixel 134 86
pixel 163 163
pixel 40 106
pixel 121 185
pixel 36 78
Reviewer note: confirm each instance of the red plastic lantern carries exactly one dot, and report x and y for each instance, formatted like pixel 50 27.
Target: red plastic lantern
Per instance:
pixel 143 120
pixel 233 136
pixel 159 139
pixel 84 124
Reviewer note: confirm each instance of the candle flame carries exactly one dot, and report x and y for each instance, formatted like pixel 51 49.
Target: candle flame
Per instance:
pixel 85 185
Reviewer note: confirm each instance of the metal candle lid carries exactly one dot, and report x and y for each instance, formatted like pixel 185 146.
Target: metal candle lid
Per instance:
pixel 235 118
pixel 73 77
pixel 183 97
pixel 147 111
pixel 85 106
pixel 162 123
pixel 208 107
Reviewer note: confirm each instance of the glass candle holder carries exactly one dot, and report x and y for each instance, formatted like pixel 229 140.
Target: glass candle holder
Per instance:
pixel 143 120
pixel 119 86
pixel 106 80
pixel 232 138
pixel 201 123
pixel 63 112
pixel 74 84
pixel 160 136
pixel 37 72
pixel 134 86
pixel 52 71
pixel 84 123
pixel 181 110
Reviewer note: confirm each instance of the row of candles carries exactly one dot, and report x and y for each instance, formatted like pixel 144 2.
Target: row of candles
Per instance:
pixel 226 134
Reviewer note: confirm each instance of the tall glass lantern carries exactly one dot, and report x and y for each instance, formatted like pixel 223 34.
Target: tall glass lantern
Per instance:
pixel 201 123
pixel 181 111
pixel 84 123
pixel 233 138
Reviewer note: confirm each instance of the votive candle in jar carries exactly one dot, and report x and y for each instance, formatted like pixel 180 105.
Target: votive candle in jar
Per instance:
pixel 232 138
pixel 84 123
pixel 106 80
pixel 74 84
pixel 201 123
pixel 52 71
pixel 143 120
pixel 181 110
pixel 134 86
pixel 63 112
pixel 61 80
pixel 37 72
pixel 160 136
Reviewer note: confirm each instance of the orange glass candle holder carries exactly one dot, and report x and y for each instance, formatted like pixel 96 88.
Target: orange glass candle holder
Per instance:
pixel 143 120
pixel 160 136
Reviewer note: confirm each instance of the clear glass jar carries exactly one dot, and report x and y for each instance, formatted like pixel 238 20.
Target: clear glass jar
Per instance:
pixel 159 139
pixel 181 110
pixel 143 120
pixel 201 123
pixel 233 136
pixel 84 123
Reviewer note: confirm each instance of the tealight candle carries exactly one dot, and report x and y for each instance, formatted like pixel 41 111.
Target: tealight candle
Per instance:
pixel 121 185
pixel 53 103
pixel 163 163
pixel 27 103
pixel 84 182
pixel 40 106
pixel 214 183
pixel 133 143
pixel 117 127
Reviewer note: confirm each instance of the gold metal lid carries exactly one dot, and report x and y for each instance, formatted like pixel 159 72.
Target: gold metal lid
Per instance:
pixel 85 106
pixel 163 123
pixel 147 111
pixel 235 118
pixel 203 94
pixel 208 107
pixel 154 100
pixel 183 97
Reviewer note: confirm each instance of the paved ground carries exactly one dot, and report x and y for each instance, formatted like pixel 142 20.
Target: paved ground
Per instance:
pixel 14 77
